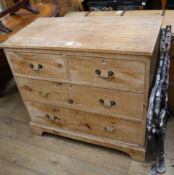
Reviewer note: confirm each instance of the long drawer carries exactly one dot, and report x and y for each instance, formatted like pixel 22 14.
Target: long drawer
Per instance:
pixel 38 65
pixel 171 97
pixel 82 122
pixel 172 63
pixel 119 74
pixel 98 100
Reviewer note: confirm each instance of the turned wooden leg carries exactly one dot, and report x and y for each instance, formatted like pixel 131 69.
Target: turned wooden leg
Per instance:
pixel 36 130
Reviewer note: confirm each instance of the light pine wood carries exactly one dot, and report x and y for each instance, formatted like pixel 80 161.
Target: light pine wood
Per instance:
pixel 105 13
pixel 20 149
pixel 171 76
pixel 93 13
pixel 143 13
pixel 54 67
pixel 136 153
pixel 76 13
pixel 127 75
pixel 81 122
pixel 116 13
pixel 83 98
pixel 38 65
pixel 171 96
pixel 90 34
pixel 74 5
pixel 168 19
pixel 172 63
pixel 96 94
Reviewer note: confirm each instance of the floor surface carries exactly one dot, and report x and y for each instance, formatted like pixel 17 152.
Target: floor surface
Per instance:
pixel 22 153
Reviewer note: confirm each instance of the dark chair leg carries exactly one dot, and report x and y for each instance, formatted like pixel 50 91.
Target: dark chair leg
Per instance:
pixel 153 144
pixel 161 162
pixel 29 7
pixel 4 29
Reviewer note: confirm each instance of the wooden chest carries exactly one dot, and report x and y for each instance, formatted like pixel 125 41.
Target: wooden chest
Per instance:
pixel 88 78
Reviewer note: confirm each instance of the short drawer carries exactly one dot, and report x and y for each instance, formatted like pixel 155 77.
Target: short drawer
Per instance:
pixel 98 125
pixel 110 73
pixel 38 65
pixel 97 100
pixel 172 63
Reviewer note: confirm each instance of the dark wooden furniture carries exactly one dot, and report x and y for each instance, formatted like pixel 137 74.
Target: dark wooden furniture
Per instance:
pixel 5 72
pixel 16 23
pixel 18 4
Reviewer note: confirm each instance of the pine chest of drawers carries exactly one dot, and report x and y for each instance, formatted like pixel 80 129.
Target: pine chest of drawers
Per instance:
pixel 88 78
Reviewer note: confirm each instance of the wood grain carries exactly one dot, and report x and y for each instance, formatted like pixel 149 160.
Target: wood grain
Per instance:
pixel 9 168
pixel 15 136
pixel 171 96
pixel 80 122
pixel 172 63
pixel 168 19
pixel 75 14
pixel 143 13
pixel 105 13
pixel 12 126
pixel 115 13
pixel 98 93
pixel 83 98
pixel 91 34
pixel 38 65
pixel 127 75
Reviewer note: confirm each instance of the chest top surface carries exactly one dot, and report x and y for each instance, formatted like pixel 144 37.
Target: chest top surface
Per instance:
pixel 129 35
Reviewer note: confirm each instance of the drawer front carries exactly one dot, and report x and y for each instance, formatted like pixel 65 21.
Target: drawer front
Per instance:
pixel 109 73
pixel 172 63
pixel 83 122
pixel 98 100
pixel 171 97
pixel 38 65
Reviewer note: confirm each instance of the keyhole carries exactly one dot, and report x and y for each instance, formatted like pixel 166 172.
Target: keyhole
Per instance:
pixel 103 62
